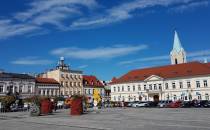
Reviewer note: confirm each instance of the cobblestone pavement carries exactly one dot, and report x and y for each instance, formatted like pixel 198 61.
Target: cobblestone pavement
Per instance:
pixel 111 119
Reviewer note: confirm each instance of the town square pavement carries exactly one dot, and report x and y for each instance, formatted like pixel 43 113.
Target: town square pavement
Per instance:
pixel 112 119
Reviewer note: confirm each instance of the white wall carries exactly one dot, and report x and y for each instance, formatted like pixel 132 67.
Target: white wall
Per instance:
pixel 134 94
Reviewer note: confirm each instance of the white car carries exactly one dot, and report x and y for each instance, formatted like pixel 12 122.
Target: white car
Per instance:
pixel 133 104
pixel 140 104
pixel 60 104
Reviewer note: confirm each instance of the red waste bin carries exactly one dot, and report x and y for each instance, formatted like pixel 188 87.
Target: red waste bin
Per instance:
pixel 45 107
pixel 76 106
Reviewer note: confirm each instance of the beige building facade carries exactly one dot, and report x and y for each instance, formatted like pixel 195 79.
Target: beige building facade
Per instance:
pixel 70 80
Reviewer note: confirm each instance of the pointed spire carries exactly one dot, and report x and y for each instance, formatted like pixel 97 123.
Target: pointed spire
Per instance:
pixel 177 44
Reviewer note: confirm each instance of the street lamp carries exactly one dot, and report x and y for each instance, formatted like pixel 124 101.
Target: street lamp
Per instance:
pixel 147 90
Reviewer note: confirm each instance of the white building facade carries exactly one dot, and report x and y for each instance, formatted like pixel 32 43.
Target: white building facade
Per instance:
pixel 178 81
pixel 182 88
pixel 22 85
pixel 47 87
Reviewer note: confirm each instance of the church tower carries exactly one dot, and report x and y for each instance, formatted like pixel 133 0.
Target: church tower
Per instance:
pixel 178 54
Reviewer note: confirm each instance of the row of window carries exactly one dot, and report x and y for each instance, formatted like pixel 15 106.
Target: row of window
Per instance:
pixel 48 92
pixel 90 91
pixel 189 97
pixel 122 98
pixel 97 83
pixel 68 76
pixel 198 84
pixel 28 89
pixel 159 86
pixel 71 83
pixel 70 92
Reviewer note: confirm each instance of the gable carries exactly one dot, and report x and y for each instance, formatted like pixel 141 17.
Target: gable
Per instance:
pixel 153 78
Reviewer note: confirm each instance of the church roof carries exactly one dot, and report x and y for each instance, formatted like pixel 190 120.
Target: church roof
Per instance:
pixel 177 43
pixel 166 72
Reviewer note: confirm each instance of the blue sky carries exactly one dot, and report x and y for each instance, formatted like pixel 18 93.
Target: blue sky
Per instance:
pixel 100 37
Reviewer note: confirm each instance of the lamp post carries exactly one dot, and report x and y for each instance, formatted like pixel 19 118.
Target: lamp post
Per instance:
pixel 161 93
pixel 147 90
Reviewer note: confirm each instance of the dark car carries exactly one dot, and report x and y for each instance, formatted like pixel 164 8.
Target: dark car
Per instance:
pixel 186 104
pixel 152 104
pixel 16 108
pixel 205 103
pixel 196 103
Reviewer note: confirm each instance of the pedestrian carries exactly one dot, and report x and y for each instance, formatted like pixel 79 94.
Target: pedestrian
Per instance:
pixel 28 106
pixel 55 106
pixel 123 104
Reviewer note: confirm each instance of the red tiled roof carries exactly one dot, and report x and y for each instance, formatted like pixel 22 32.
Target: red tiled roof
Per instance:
pixel 91 81
pixel 208 64
pixel 46 81
pixel 169 71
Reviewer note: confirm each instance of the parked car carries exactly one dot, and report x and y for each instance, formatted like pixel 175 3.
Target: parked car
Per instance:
pixel 163 103
pixel 130 104
pixel 196 103
pixel 140 104
pixel 175 104
pixel 205 103
pixel 152 104
pixel 186 104
pixel 16 108
pixel 134 103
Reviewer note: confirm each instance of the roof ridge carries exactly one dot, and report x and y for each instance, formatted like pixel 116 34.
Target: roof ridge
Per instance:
pixel 168 71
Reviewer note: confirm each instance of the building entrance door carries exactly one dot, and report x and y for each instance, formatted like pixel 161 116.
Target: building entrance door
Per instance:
pixel 156 98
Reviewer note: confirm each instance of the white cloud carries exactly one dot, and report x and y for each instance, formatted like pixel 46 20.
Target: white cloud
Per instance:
pixel 201 58
pixel 31 61
pixel 43 6
pixel 8 29
pixel 123 12
pixel 77 14
pixel 189 6
pixel 147 59
pixel 198 53
pixel 191 55
pixel 55 16
pixel 98 53
pixel 51 12
pixel 83 66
